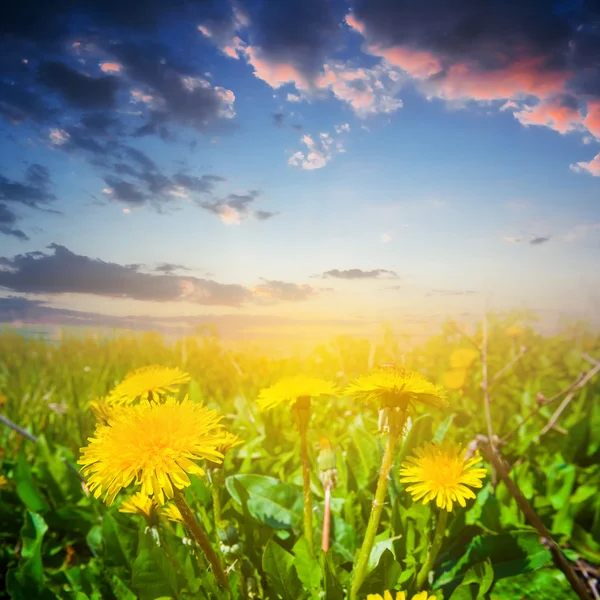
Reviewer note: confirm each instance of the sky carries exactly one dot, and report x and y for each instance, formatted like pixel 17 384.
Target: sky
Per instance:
pixel 297 168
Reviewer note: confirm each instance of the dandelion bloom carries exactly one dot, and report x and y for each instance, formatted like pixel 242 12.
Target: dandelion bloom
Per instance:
pixel 440 472
pixel 290 389
pixel 148 383
pixel 396 388
pixel 455 379
pixel 514 331
pixel 171 512
pixel 400 596
pixel 102 409
pixel 154 445
pixel 141 505
pixel 463 358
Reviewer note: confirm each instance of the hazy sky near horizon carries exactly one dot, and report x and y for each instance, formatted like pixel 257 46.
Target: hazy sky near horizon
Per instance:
pixel 306 159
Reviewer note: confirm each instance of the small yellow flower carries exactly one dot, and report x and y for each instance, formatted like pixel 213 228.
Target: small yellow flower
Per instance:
pixel 148 383
pixel 152 445
pixel 441 472
pixel 290 389
pixel 3 482
pixel 514 331
pixel 396 388
pixel 230 441
pixel 141 505
pixel 463 358
pixel 171 512
pixel 455 379
pixel 102 409
pixel 400 596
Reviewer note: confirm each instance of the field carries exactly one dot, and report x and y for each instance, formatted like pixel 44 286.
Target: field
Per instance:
pixel 528 405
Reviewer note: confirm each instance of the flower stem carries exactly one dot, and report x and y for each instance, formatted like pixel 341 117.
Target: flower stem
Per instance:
pixel 396 424
pixel 438 538
pixel 308 528
pixel 201 539
pixel 326 520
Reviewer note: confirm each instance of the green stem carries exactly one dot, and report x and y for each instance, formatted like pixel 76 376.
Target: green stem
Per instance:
pixel 396 425
pixel 216 480
pixel 308 528
pixel 201 539
pixel 438 538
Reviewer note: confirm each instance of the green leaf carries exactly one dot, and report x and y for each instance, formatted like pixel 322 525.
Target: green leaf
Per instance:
pixel 379 548
pixel 278 564
pixel 476 582
pixel 28 580
pixel 27 489
pixel 307 567
pixel 271 501
pixel 152 573
pixel 443 428
pixel 384 576
pixel 333 589
pixel 510 554
pixel 545 584
pixel 120 542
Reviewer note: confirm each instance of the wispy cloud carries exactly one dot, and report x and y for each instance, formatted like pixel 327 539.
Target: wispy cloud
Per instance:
pixel 359 274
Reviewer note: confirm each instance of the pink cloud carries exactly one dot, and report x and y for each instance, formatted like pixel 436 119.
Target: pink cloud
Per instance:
pixel 525 77
pixel 232 50
pixel 205 31
pixel 110 67
pixel 592 120
pixel 551 113
pixel 592 167
pixel 416 63
pixel 275 74
pixel 355 24
pixel 366 91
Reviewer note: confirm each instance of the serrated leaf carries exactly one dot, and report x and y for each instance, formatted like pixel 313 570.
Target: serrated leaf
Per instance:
pixel 307 567
pixel 278 564
pixel 271 501
pixel 333 589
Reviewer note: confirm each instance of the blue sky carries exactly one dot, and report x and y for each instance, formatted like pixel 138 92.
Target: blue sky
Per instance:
pixel 316 163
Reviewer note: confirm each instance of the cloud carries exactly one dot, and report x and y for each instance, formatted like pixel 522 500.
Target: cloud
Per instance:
pixel 64 272
pixel 578 232
pixel 540 62
pixel 170 268
pixel 538 241
pixel 592 167
pixel 386 237
pixel 235 208
pixel 345 127
pixel 319 152
pixel 272 291
pixel 359 274
pixel 79 90
pixel 33 192
pixel 293 98
pixel 20 310
pixel 452 293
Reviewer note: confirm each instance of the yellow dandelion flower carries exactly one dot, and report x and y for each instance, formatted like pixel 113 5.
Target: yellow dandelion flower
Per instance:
pixel 102 409
pixel 171 512
pixel 396 388
pixel 463 358
pixel 400 596
pixel 141 505
pixel 3 482
pixel 514 331
pixel 290 389
pixel 154 445
pixel 441 472
pixel 455 379
pixel 230 441
pixel 147 383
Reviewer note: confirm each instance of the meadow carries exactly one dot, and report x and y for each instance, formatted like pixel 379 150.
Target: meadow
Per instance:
pixel 311 499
